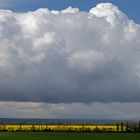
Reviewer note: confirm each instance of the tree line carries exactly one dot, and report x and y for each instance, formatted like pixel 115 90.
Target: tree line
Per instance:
pixel 121 127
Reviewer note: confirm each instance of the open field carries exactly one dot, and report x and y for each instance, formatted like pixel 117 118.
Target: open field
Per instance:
pixel 67 136
pixel 77 128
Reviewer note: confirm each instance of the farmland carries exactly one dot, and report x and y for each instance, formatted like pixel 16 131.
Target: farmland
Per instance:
pixel 61 128
pixel 118 131
pixel 67 136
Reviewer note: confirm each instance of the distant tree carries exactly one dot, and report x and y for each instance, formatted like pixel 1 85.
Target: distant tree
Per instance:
pixel 46 128
pixel 117 127
pixel 20 127
pixel 88 129
pixel 135 127
pixel 122 126
pixel 4 127
pixel 97 129
pixel 104 129
pixel 127 127
pixel 33 128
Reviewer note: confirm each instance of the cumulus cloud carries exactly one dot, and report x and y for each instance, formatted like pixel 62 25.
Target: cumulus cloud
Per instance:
pixel 69 56
pixel 110 12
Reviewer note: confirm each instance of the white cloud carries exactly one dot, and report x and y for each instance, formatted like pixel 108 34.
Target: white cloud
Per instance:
pixel 69 56
pixel 110 12
pixel 70 10
pixel 114 110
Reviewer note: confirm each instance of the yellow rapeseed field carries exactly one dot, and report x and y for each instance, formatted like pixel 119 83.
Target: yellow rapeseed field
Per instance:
pixel 17 127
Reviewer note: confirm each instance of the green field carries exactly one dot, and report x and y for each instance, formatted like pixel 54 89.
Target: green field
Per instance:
pixel 67 136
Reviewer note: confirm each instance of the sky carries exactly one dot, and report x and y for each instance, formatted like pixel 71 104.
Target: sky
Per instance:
pixel 130 7
pixel 69 62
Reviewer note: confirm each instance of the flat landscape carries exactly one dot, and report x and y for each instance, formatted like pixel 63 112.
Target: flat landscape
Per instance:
pixel 67 136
